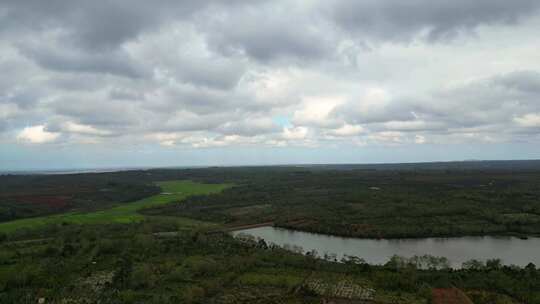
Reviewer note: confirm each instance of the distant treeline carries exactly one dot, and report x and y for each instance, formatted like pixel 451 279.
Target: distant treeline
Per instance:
pixel 416 200
pixel 375 203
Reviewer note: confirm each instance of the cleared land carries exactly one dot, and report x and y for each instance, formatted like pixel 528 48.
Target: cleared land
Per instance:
pixel 25 196
pixel 172 191
pixel 449 296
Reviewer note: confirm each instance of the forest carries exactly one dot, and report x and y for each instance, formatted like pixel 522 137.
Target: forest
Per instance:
pixel 160 235
pixel 136 263
pixel 376 203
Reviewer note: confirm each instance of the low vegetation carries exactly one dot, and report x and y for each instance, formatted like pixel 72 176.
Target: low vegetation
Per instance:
pixel 171 191
pixel 130 263
pixel 23 196
pixel 164 242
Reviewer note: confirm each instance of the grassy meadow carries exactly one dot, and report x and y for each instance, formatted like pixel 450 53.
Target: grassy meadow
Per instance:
pixel 124 213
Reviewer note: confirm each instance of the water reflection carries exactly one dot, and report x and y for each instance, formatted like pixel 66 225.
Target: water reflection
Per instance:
pixel 511 250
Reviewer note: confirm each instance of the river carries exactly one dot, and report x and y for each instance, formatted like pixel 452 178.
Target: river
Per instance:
pixel 511 250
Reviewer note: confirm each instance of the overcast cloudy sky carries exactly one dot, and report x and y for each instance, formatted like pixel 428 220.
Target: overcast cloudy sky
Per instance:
pixel 157 83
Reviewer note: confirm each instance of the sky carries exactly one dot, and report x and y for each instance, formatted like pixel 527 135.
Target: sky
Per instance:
pixel 191 83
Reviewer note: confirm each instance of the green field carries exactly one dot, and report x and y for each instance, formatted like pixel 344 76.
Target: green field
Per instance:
pixel 124 213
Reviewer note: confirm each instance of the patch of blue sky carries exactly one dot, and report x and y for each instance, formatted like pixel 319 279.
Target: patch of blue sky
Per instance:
pixel 282 121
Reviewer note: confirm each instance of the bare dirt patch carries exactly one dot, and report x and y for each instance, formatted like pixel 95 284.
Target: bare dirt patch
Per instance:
pixel 449 296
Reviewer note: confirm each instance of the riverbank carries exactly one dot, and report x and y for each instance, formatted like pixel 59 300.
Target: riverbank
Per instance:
pixel 248 226
pixel 294 226
pixel 458 250
pixel 389 236
pixel 389 204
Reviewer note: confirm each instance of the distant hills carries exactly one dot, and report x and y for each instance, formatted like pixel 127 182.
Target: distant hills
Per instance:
pixel 449 165
pixel 452 165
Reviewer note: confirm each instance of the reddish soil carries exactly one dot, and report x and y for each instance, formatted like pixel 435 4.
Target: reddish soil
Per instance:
pixel 53 202
pixel 344 301
pixel 53 191
pixel 449 296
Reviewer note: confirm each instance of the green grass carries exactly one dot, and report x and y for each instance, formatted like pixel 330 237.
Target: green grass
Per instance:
pixel 124 213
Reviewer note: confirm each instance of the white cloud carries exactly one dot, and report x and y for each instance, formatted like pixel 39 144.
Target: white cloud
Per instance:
pixel 37 135
pixel 84 129
pixel 295 133
pixel 386 137
pixel 412 125
pixel 420 139
pixel 530 120
pixel 315 111
pixel 374 98
pixel 347 130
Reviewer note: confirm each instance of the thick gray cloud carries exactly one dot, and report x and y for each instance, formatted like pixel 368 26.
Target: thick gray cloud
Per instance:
pixel 23 97
pixel 92 24
pixel 97 25
pixel 492 105
pixel 524 81
pixel 184 56
pixel 249 127
pixel 66 60
pixel 269 32
pixel 437 19
pixel 354 112
pixel 98 112
pixel 215 73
